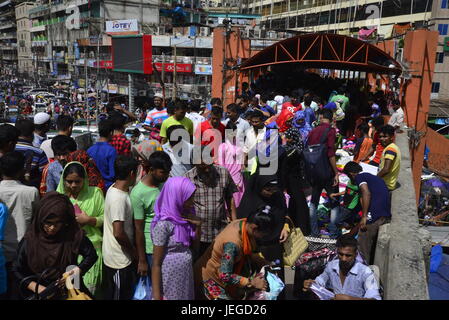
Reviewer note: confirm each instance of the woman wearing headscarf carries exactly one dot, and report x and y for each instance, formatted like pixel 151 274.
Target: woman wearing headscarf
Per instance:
pixel 264 190
pixel 173 230
pixel 299 122
pixel 230 156
pixel 142 152
pixel 53 242
pixel 93 174
pixel 224 271
pixel 293 181
pixel 89 209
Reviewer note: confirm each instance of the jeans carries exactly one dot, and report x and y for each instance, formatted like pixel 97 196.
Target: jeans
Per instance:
pixel 334 219
pixel 149 262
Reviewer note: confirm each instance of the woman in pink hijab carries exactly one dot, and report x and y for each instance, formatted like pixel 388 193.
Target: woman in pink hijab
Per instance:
pixel 230 156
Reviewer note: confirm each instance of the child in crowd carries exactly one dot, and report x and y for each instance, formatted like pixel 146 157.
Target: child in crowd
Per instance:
pixel 103 153
pixel 119 252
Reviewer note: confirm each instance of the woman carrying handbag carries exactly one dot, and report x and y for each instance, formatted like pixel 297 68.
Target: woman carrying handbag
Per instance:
pixel 52 243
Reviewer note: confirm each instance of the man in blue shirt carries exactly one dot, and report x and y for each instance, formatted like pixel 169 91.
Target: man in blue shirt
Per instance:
pixel 265 108
pixel 62 146
pixel 310 114
pixel 375 207
pixel 103 153
pixel 348 278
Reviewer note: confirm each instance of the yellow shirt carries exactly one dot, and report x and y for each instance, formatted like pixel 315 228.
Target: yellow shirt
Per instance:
pixel 393 153
pixel 185 122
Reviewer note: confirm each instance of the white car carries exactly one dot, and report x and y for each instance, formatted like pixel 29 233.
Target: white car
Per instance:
pixel 39 107
pixel 34 91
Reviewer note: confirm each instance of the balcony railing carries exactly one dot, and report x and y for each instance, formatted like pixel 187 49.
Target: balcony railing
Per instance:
pixel 7 25
pixel 4 36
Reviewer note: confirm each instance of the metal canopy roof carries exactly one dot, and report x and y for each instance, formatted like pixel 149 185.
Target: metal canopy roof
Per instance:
pixel 325 51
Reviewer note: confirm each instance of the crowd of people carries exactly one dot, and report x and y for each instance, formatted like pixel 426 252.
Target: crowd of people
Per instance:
pixel 203 203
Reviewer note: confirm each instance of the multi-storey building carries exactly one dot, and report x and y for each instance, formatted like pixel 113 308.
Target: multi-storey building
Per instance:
pixel 339 15
pixel 440 22
pixel 25 61
pixel 8 38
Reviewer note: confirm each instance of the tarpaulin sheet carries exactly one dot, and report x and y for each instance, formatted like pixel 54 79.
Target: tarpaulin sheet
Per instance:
pixel 439 281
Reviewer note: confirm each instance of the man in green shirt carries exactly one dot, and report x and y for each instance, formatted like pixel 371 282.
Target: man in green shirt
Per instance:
pixel 178 118
pixel 143 198
pixel 341 98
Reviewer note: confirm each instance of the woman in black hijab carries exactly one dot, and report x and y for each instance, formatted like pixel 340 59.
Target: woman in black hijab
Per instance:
pixel 53 242
pixel 293 181
pixel 263 190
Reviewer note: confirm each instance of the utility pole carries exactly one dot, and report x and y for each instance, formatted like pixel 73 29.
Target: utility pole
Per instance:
pixel 85 87
pixel 174 78
pixel 130 92
pixel 98 84
pixel 163 77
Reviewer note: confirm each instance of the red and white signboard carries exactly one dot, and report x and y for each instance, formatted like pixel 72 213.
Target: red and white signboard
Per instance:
pixel 104 64
pixel 169 67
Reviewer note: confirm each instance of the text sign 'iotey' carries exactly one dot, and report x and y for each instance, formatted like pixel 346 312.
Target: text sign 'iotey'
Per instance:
pixel 169 67
pixel 122 27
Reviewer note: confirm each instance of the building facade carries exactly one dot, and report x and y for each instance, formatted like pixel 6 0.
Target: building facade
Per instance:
pixel 25 61
pixel 440 23
pixel 8 38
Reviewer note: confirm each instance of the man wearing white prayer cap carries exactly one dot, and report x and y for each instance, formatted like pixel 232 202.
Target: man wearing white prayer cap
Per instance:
pixel 41 127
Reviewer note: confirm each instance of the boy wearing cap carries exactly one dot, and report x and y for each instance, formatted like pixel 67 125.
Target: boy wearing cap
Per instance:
pixel 41 127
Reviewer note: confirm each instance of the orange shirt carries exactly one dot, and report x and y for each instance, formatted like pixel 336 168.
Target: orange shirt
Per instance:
pixel 364 149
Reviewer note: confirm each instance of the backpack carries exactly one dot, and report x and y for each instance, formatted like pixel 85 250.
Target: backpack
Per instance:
pixel 317 166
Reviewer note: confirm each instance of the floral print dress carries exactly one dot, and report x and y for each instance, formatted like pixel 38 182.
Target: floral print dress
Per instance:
pixel 212 289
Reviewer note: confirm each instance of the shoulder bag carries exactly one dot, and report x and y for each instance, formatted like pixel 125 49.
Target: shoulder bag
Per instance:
pixel 295 245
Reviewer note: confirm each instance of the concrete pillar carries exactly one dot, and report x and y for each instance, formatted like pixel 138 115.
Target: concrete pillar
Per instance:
pixel 403 247
pixel 419 52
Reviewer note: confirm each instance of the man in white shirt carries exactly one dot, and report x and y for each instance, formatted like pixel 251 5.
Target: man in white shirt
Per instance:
pixel 41 127
pixel 194 114
pixel 19 199
pixel 179 150
pixel 242 125
pixel 119 253
pixel 397 118
pixel 254 136
pixel 65 127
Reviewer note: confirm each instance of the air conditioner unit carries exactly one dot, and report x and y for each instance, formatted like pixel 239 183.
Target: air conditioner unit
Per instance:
pixel 204 31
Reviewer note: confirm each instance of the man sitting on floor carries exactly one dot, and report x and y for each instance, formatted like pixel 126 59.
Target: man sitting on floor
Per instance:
pixel 348 278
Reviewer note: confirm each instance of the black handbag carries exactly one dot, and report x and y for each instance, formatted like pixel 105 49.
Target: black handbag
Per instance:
pixel 50 291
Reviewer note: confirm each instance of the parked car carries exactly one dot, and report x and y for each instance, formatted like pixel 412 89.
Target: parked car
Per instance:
pixel 39 107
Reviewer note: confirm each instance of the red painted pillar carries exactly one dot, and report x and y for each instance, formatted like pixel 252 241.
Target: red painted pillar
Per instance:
pixel 419 52
pixel 235 48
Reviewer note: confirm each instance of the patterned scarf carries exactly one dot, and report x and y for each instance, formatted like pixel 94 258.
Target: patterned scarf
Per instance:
pixel 296 143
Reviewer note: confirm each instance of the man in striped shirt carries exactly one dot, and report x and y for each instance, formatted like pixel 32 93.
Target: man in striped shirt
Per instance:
pixel 35 158
pixel 157 115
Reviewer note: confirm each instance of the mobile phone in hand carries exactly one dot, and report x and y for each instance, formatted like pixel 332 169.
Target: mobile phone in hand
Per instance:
pixel 77 209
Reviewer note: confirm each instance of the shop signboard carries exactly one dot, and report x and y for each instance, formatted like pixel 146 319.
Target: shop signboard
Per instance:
pixel 203 69
pixel 122 27
pixel 169 67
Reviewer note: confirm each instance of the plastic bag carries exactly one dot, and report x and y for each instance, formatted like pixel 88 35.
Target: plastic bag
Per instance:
pixel 143 289
pixel 275 286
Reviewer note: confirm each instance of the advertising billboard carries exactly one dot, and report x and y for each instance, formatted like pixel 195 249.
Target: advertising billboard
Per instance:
pixel 122 27
pixel 132 54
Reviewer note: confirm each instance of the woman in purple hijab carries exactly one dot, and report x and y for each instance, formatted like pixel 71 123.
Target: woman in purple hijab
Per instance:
pixel 173 230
